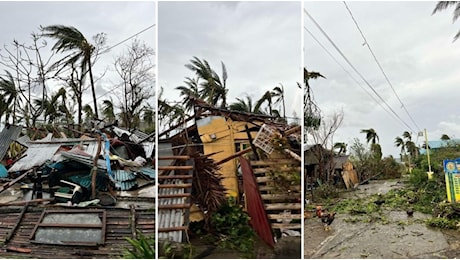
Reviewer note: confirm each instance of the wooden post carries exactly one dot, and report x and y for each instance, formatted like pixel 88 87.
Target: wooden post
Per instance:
pixel 94 169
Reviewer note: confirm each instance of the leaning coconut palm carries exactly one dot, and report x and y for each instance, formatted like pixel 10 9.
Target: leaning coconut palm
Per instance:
pixel 69 39
pixel 208 189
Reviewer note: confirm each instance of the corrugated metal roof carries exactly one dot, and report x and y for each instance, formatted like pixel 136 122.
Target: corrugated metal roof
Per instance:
pixel 36 155
pixel 8 134
pixel 169 218
pixel 38 152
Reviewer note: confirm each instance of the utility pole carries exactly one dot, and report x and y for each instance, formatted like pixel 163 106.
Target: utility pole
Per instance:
pixel 430 173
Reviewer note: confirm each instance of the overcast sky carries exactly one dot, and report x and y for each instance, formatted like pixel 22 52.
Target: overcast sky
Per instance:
pixel 119 20
pixel 259 43
pixel 416 52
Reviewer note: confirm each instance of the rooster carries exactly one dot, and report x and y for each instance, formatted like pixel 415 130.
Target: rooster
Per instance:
pixel 326 217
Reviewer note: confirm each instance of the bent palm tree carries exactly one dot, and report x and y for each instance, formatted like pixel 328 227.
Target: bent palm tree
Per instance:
pixel 371 135
pixel 213 88
pixel 69 39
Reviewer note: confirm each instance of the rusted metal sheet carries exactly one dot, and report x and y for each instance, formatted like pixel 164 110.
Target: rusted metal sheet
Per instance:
pixel 9 133
pixel 255 205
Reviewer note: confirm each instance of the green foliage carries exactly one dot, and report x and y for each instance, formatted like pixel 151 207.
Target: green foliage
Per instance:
pixel 442 223
pixel 231 224
pixel 143 247
pixel 325 192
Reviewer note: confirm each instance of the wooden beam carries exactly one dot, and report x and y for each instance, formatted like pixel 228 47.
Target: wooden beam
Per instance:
pixel 238 154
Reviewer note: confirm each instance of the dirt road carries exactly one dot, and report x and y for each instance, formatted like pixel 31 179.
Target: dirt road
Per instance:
pixel 399 237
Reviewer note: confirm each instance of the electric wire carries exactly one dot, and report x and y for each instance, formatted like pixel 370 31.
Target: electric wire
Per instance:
pixel 348 73
pixel 127 39
pixel 354 68
pixel 378 64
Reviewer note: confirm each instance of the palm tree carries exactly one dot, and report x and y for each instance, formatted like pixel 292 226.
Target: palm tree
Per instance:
pixel 399 142
pixel 445 137
pixel 189 92
pixel 213 88
pixel 245 105
pixel 10 93
pixel 371 135
pixel 69 39
pixel 108 110
pixel 442 5
pixel 342 148
pixel 312 113
pixel 278 92
pixel 266 97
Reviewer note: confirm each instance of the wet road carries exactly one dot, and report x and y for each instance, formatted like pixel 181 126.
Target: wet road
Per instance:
pixel 399 237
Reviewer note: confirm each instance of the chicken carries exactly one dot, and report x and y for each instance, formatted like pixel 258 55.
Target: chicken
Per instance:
pixel 410 212
pixel 327 219
pixel 319 211
pixel 325 216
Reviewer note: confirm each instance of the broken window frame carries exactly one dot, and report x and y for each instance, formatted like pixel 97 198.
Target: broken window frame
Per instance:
pixel 101 213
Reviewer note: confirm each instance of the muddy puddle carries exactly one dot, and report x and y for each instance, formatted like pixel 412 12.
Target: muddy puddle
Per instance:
pixel 399 236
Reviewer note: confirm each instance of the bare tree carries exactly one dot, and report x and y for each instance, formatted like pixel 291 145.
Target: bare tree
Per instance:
pixel 324 136
pixel 135 69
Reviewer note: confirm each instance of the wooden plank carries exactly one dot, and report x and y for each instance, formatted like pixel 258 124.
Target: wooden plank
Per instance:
pixel 175 168
pixel 280 196
pixel 170 229
pixel 281 169
pixel 284 216
pixel 287 226
pixel 179 195
pixel 283 206
pixel 176 186
pixel 172 177
pixel 274 162
pixel 174 206
pixel 268 188
pixel 174 157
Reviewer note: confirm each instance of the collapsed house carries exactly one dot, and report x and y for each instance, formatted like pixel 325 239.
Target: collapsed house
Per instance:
pixel 257 161
pixel 324 166
pixel 75 197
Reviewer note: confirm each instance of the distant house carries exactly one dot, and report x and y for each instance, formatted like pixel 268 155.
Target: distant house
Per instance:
pixel 439 144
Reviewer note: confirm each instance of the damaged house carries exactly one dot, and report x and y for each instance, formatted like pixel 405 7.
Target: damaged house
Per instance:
pixel 65 197
pixel 247 156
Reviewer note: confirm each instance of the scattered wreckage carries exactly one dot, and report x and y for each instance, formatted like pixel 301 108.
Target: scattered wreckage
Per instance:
pixel 219 153
pixel 84 194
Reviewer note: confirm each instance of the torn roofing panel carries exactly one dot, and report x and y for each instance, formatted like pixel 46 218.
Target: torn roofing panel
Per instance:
pixel 8 134
pixel 39 152
pixel 36 155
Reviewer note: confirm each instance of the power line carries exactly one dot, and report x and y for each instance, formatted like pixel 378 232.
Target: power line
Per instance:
pixel 349 74
pixel 127 39
pixel 353 67
pixel 378 63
